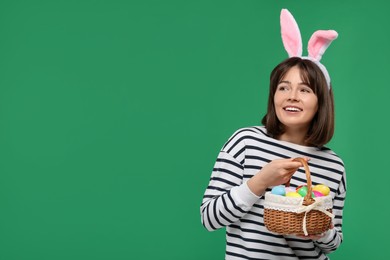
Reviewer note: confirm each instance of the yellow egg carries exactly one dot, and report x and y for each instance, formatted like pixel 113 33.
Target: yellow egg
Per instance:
pixel 322 188
pixel 293 194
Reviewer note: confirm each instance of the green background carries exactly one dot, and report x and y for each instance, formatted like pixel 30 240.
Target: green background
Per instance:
pixel 112 114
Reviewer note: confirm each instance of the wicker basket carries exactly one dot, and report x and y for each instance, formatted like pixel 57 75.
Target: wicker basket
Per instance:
pixel 298 216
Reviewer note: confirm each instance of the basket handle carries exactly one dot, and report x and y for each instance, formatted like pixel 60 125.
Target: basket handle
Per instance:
pixel 308 199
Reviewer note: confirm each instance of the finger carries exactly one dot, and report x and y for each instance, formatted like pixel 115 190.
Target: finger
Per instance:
pixel 293 166
pixel 291 172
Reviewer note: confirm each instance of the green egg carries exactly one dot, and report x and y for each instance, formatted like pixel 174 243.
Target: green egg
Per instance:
pixel 302 191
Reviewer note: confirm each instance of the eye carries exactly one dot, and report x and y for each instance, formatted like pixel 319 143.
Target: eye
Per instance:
pixel 306 90
pixel 282 88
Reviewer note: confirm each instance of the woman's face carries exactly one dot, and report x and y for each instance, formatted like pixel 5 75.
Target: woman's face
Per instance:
pixel 295 102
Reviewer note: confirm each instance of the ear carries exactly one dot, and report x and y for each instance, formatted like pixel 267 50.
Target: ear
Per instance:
pixel 319 42
pixel 291 36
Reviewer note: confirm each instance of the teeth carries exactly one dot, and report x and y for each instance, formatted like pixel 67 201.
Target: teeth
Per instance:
pixel 293 109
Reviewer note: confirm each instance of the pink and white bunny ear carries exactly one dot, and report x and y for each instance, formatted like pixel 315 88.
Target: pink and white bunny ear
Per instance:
pixel 319 42
pixel 291 35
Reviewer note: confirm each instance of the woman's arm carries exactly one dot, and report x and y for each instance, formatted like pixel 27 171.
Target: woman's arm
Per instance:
pixel 226 198
pixel 334 237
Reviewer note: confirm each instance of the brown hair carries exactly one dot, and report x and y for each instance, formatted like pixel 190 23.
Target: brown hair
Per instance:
pixel 322 126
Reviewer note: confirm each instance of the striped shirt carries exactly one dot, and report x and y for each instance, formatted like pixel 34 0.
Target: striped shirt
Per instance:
pixel 228 202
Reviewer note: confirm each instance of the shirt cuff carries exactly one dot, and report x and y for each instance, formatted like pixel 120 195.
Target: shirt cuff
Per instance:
pixel 327 237
pixel 244 196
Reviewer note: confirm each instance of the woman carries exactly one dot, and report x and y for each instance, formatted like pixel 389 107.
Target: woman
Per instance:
pixel 298 123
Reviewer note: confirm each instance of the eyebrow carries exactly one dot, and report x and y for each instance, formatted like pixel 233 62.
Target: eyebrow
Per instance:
pixel 288 82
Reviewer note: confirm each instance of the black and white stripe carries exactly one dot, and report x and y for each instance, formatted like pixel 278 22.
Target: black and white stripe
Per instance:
pixel 227 202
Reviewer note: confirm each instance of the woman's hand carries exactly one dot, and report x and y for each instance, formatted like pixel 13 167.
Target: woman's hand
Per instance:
pixel 274 173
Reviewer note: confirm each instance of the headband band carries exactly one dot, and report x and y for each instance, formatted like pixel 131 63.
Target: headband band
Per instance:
pixel 318 43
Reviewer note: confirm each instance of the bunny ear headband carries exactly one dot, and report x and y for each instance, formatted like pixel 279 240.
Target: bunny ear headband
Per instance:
pixel 292 41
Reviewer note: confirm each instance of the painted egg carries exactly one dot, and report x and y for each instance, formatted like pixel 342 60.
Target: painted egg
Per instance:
pixel 317 194
pixel 290 189
pixel 279 190
pixel 322 188
pixel 302 191
pixel 293 194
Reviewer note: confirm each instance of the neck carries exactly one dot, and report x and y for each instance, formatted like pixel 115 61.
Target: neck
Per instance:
pixel 296 136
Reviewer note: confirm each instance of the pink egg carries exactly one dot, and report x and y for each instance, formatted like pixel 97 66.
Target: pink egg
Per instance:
pixel 290 189
pixel 317 194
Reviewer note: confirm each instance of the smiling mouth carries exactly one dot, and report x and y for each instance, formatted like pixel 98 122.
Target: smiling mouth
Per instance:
pixel 293 109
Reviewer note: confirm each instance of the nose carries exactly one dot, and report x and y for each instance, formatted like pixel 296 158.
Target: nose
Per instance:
pixel 293 96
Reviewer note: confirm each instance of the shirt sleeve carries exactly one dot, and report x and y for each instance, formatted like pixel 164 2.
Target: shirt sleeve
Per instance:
pixel 334 237
pixel 227 198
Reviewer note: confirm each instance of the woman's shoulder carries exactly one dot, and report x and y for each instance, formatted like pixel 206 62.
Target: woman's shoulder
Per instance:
pixel 257 131
pixel 242 135
pixel 330 155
